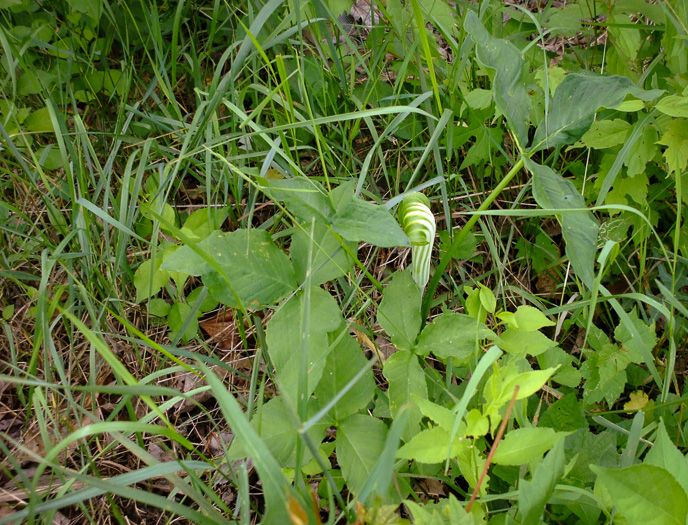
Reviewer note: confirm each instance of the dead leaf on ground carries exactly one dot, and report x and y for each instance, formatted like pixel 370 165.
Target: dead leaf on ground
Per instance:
pixel 221 329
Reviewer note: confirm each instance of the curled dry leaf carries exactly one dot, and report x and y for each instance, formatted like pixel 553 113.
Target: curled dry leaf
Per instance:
pixel 221 329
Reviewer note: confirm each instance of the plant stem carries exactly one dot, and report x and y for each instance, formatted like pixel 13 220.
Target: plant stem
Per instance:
pixel 461 236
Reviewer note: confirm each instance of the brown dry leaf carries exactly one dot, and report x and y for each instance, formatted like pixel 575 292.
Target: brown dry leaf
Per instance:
pixel 545 284
pixel 159 453
pixel 361 10
pixel 385 346
pixel 433 488
pixel 221 329
pixel 187 381
pixel 219 441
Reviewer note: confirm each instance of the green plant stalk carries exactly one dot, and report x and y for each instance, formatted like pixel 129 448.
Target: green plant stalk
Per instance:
pixel 458 240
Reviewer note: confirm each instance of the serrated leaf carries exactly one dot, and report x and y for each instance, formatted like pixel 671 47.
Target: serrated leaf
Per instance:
pixel 343 363
pixel 330 260
pixel 643 151
pixel 360 441
pixel 285 339
pixel 575 102
pixel 258 271
pixel 432 446
pixel 509 88
pixel 676 139
pixel 580 229
pixel 453 335
pixel 564 414
pixel 605 375
pixel 606 134
pixel 364 221
pixel 399 311
pixel 523 445
pixel 647 333
pixel 645 494
pixel 406 379
pixel 674 106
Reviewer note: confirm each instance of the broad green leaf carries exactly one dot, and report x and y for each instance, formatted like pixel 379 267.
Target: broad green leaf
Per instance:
pixel 520 342
pixel 528 382
pixel 39 121
pixel 579 228
pixel 149 280
pixel 360 441
pixel 303 197
pixel 453 335
pixel 278 430
pixel 664 454
pixel 345 361
pixel 525 318
pixel 523 445
pixel 399 311
pixel 364 221
pixel 274 484
pixel 286 341
pixel 648 336
pixel 604 374
pixel 676 139
pixel 509 88
pixel 179 315
pixel 534 494
pixel 259 273
pixel 564 414
pixel 606 134
pixel 201 223
pixel 447 510
pixel 158 307
pixel 340 6
pixel 92 8
pixel 645 494
pixel 625 37
pixel 432 446
pixel 441 415
pixel 591 449
pixel 674 106
pixel 329 258
pixel 406 378
pixel 575 102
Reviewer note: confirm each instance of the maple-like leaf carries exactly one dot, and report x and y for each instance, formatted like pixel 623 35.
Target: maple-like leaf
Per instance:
pixel 675 138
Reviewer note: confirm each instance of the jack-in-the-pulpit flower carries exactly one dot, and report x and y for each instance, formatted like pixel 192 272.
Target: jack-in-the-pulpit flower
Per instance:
pixel 419 224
